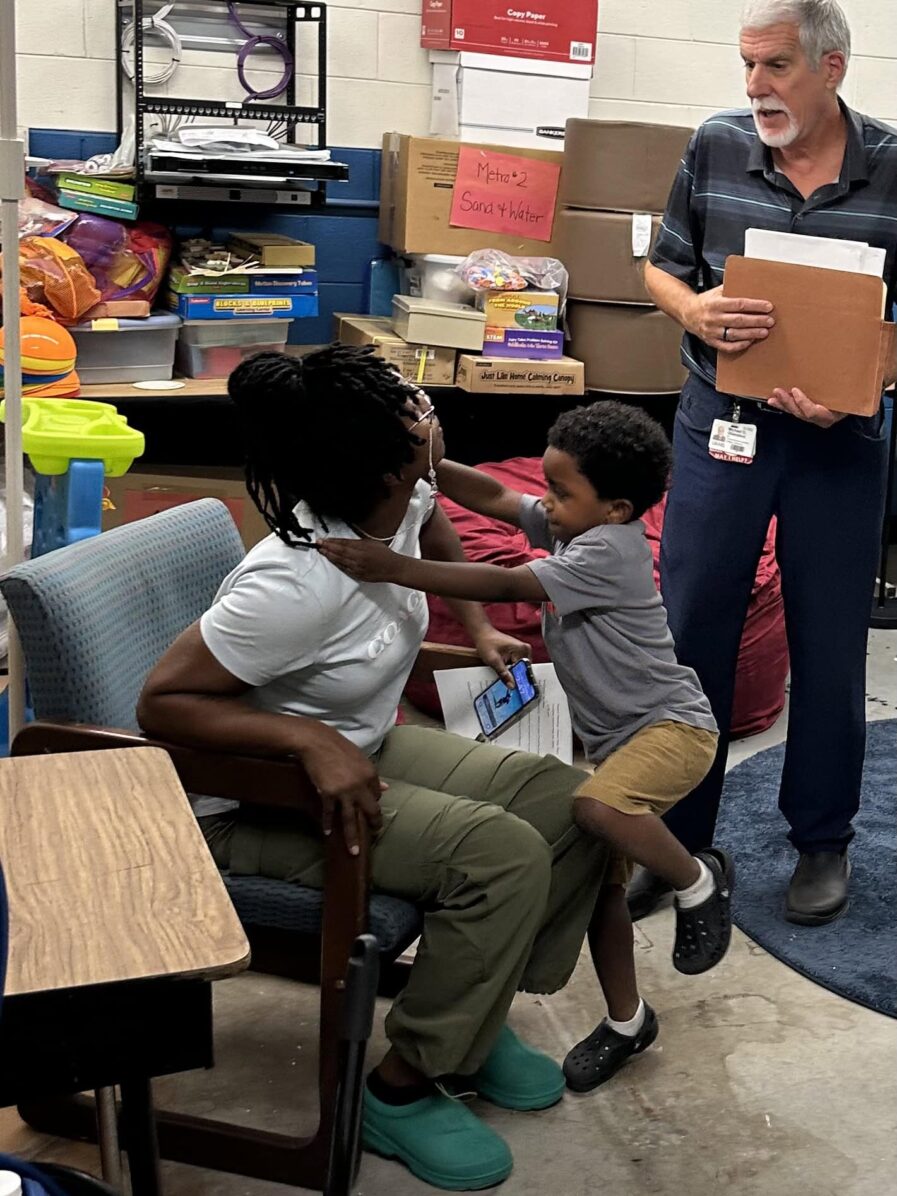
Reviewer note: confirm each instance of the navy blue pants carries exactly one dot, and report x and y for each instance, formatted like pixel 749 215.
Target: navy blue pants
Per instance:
pixel 827 488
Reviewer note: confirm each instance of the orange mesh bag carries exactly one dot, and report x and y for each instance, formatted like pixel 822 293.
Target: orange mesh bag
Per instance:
pixel 55 275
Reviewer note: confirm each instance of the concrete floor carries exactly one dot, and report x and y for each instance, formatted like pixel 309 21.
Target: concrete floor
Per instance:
pixel 761 1083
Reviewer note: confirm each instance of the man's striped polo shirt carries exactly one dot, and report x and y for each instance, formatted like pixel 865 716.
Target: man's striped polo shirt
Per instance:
pixel 727 183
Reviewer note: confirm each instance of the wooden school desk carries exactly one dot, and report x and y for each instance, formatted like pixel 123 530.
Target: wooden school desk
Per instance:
pixel 119 921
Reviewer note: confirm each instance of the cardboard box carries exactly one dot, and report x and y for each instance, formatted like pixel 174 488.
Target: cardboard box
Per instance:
pixel 512 101
pixel 243 307
pixel 515 342
pixel 417 182
pixel 426 365
pixel 140 494
pixel 605 253
pixel 830 339
pixel 553 30
pixel 429 322
pixel 620 165
pixel 522 324
pixel 491 375
pixel 626 349
pixel 255 283
pixel 436 24
pixel 273 249
pixel 534 311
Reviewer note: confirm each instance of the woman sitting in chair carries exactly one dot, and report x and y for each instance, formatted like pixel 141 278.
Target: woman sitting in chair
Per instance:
pixel 295 658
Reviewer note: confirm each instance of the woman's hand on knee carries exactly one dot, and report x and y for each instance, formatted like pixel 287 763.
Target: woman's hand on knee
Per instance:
pixel 346 781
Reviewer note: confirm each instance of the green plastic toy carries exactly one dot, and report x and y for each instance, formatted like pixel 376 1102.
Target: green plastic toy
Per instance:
pixel 58 431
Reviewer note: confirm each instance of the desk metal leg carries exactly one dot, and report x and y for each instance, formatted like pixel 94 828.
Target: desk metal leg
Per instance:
pixel 139 1132
pixel 107 1136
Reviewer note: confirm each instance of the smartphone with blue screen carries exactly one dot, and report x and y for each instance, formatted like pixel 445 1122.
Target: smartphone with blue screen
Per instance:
pixel 498 707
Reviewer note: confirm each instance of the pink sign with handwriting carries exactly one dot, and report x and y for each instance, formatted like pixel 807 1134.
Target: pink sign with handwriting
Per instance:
pixel 505 193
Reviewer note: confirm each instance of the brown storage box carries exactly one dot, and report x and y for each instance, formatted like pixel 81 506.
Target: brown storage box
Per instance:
pixel 503 375
pixel 626 349
pixel 597 249
pixel 138 495
pixel 417 181
pixel 439 369
pixel 619 165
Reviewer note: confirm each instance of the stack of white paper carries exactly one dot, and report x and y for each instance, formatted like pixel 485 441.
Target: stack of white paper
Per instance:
pixel 546 728
pixel 828 253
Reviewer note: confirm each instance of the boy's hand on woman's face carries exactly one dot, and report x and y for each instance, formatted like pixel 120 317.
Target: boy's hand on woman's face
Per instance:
pixel 364 560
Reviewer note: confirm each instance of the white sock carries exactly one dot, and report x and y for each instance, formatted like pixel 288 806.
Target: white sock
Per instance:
pixel 697 893
pixel 631 1028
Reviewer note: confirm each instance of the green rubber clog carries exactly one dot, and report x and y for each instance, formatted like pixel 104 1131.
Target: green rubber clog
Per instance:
pixel 517 1076
pixel 438 1139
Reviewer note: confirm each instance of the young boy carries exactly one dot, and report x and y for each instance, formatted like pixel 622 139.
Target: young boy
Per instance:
pixel 643 720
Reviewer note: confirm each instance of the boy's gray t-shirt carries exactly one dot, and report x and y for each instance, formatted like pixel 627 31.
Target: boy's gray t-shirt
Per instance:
pixel 606 631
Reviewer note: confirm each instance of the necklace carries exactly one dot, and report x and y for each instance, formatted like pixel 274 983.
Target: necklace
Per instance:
pixel 359 531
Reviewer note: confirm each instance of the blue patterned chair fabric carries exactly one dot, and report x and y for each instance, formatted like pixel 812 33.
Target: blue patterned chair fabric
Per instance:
pixel 94 618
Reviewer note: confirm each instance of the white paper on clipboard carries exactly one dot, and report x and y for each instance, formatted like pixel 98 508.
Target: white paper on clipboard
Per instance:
pixel 546 729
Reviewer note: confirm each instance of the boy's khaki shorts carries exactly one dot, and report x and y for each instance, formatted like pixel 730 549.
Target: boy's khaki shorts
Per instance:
pixel 648 775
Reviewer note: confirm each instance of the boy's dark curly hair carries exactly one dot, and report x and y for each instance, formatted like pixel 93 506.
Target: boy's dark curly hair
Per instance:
pixel 325 428
pixel 622 451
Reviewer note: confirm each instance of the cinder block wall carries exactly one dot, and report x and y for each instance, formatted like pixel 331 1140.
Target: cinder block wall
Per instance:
pixel 673 61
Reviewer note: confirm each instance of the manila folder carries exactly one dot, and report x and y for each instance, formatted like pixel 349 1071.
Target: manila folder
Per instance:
pixel 829 338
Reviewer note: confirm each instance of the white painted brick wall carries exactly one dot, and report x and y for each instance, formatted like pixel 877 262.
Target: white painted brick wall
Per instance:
pixel 673 61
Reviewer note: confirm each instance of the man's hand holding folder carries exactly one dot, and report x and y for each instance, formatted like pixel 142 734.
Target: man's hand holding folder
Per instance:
pixel 728 324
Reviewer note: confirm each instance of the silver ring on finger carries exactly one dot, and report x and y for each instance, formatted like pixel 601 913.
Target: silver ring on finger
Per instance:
pixel 725 334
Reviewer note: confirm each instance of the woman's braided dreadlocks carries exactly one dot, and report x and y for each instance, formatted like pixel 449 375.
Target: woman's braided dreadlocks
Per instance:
pixel 325 429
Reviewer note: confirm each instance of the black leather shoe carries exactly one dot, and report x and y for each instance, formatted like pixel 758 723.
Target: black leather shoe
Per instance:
pixel 818 890
pixel 645 893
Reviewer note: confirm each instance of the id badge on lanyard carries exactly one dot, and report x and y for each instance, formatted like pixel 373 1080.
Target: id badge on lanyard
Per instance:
pixel 731 440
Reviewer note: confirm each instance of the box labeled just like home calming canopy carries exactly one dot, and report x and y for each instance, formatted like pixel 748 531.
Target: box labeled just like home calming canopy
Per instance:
pixel 495 375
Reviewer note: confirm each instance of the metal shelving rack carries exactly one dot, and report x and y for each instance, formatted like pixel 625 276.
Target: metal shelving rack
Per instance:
pixel 290 114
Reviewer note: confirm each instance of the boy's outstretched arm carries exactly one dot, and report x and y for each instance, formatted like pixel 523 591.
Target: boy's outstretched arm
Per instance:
pixel 478 492
pixel 366 560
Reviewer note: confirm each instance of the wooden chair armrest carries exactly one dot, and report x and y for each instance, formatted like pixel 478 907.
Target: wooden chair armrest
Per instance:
pixel 256 780
pixel 433 657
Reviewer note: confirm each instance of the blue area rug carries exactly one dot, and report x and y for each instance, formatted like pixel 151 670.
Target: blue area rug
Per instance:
pixel 856 956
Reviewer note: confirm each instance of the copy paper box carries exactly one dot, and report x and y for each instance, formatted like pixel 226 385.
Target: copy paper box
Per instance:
pixel 436 24
pixel 552 30
pixel 830 339
pixel 492 375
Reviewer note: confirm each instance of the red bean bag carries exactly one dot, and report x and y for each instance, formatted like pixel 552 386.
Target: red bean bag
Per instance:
pixel 763 656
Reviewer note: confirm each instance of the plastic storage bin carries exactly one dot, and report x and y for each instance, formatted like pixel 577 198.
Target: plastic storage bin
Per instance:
pixel 126 350
pixel 432 276
pixel 212 348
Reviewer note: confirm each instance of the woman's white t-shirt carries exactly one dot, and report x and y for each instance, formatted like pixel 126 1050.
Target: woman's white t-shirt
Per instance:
pixel 313 642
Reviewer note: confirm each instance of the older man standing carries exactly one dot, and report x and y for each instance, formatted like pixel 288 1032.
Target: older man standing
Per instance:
pixel 799 161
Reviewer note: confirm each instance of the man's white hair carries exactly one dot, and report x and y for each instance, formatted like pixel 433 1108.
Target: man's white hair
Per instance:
pixel 822 23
